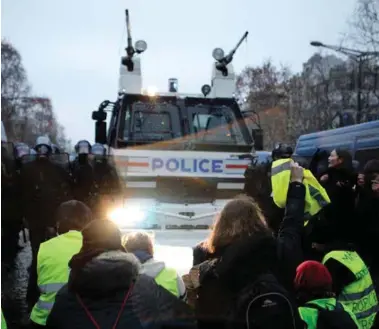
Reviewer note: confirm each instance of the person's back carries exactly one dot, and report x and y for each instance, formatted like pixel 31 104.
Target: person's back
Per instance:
pixel 52 270
pixel 105 289
pixel 141 245
pixel 54 255
pixel 354 286
pixel 242 283
pixel 326 313
pixel 319 308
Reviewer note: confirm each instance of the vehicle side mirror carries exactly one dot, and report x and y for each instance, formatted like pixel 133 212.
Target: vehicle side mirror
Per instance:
pixel 101 132
pixel 99 115
pixel 258 139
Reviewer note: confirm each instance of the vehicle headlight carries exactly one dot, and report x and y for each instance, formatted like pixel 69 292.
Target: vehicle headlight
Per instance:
pixel 126 216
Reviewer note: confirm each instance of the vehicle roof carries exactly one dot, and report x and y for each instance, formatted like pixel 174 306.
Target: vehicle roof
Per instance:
pixel 356 137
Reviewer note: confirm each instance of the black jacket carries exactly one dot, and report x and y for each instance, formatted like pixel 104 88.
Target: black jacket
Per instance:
pixel 339 213
pixel 367 213
pixel 44 185
pixel 102 285
pixel 241 263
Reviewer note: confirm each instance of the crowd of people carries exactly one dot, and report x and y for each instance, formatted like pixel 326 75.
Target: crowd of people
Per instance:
pixel 302 256
pixel 36 180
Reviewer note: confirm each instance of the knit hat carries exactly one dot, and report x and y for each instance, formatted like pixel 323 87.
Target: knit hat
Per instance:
pixel 98 236
pixel 101 234
pixel 313 276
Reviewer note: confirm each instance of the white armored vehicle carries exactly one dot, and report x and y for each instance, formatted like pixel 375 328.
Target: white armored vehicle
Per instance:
pixel 182 157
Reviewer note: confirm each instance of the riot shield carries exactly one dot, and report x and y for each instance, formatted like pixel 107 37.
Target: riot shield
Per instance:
pixel 62 160
pixel 8 163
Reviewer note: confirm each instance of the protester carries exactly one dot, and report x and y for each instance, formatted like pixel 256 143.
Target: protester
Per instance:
pixel 141 245
pixel 339 181
pixel 318 305
pixel 367 211
pixel 105 289
pixel 352 283
pixel 245 262
pixel 54 254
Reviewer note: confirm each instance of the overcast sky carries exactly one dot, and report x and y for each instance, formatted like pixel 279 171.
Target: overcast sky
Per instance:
pixel 71 48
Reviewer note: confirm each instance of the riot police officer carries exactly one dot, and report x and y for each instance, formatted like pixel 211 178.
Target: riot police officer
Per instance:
pixel 11 212
pixel 83 174
pixel 108 186
pixel 45 185
pixel 281 151
pixel 55 149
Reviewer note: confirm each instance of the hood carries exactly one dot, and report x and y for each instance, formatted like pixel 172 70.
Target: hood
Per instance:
pixel 152 267
pixel 242 262
pixel 105 274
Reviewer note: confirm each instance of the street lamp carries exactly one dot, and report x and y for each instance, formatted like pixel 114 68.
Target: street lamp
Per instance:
pixel 358 56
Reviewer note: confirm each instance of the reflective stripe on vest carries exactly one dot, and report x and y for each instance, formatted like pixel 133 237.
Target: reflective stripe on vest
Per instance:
pixel 359 296
pixel 50 287
pixel 315 197
pixel 52 270
pixel 167 278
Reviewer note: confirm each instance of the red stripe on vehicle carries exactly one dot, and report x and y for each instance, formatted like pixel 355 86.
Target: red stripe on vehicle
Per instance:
pixel 137 164
pixel 236 166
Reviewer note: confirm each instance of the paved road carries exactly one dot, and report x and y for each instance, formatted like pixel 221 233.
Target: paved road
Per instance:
pixel 175 247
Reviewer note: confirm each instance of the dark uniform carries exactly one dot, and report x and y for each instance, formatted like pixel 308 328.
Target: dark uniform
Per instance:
pixel 83 174
pixel 45 185
pixel 11 212
pixel 107 181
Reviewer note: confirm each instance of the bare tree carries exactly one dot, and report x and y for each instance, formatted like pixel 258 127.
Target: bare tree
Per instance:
pixel 263 90
pixel 364 25
pixel 14 86
pixel 25 116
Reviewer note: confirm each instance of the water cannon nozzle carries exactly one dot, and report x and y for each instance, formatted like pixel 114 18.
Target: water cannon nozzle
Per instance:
pixel 139 47
pixel 222 60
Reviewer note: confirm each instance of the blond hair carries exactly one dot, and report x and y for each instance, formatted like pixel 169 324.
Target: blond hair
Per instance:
pixel 240 218
pixel 138 241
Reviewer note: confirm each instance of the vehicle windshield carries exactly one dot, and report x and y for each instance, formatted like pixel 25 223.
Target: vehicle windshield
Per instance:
pixel 152 121
pixel 215 125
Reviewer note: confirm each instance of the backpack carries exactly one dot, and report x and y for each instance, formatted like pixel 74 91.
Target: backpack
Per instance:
pixel 333 319
pixel 264 304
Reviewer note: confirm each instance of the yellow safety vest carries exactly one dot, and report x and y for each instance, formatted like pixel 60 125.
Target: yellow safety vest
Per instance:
pixel 3 322
pixel 167 278
pixel 53 271
pixel 310 315
pixel 359 296
pixel 315 195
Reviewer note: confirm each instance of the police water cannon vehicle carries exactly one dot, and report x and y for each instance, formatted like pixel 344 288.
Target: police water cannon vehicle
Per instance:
pixel 181 156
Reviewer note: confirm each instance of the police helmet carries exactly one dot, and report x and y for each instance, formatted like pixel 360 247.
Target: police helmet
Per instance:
pixel 282 151
pixel 43 145
pixel 83 147
pixel 21 149
pixel 98 149
pixel 55 149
